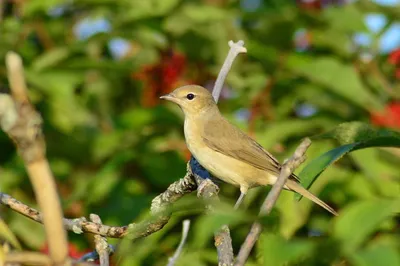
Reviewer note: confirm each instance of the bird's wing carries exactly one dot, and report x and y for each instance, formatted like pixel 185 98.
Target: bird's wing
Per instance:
pixel 223 137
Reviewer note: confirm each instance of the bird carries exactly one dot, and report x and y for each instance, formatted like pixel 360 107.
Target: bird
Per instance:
pixel 224 150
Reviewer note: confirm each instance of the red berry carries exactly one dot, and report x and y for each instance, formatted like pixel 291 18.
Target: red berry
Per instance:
pixel 394 57
pixel 389 117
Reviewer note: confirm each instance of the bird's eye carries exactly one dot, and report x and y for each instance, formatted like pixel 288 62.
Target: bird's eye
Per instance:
pixel 190 96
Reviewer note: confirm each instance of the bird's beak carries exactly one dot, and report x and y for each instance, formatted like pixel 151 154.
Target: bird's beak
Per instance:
pixel 169 97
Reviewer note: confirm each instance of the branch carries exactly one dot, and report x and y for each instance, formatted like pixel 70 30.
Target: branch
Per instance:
pixel 185 231
pixel 236 48
pixel 287 169
pixel 80 225
pixel 23 125
pixel 101 244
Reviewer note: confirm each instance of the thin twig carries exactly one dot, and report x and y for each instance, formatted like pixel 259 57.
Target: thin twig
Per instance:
pixel 28 137
pixel 185 230
pixel 236 48
pixel 80 225
pixel 287 169
pixel 16 77
pixel 101 243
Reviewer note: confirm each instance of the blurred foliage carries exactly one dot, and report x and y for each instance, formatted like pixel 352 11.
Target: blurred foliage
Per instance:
pixel 96 68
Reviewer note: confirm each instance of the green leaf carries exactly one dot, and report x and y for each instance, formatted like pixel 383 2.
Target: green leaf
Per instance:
pixel 351 132
pixel 379 255
pixel 206 225
pixel 204 13
pixel 380 172
pixel 138 9
pixel 310 173
pixel 59 86
pixel 192 16
pixel 279 251
pixel 284 129
pixel 359 220
pixel 50 58
pixel 8 236
pixel 34 7
pixel 335 76
pixel 354 136
pixel 345 18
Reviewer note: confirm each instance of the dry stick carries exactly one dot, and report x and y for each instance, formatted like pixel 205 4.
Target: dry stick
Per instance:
pixel 28 137
pixel 174 192
pixel 236 48
pixel 287 169
pixel 185 231
pixel 101 243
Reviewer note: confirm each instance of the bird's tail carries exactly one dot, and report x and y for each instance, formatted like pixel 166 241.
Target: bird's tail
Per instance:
pixel 293 185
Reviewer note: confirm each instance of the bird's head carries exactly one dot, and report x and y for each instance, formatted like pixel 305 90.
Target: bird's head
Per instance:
pixel 193 99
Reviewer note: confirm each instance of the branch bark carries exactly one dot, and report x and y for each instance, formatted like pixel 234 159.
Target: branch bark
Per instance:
pixel 80 225
pixel 236 48
pixel 23 125
pixel 287 169
pixel 101 243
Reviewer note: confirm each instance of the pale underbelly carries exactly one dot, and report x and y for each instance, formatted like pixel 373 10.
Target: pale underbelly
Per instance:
pixel 231 170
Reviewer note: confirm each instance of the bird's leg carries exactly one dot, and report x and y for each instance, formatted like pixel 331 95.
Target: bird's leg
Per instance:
pixel 243 192
pixel 239 201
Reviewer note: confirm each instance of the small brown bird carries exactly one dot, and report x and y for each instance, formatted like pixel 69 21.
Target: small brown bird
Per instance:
pixel 224 150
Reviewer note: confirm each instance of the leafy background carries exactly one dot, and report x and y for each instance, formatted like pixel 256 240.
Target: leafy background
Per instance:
pixel 95 70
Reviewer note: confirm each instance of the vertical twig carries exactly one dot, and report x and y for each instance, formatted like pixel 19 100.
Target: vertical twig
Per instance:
pixel 101 243
pixel 25 131
pixel 287 169
pixel 236 48
pixel 185 230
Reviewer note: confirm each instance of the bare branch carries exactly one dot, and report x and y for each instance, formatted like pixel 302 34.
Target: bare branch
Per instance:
pixel 101 243
pixel 185 231
pixel 287 169
pixel 79 225
pixel 174 192
pixel 236 48
pixel 25 131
